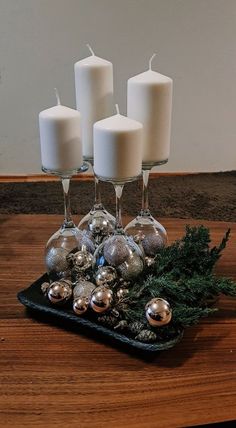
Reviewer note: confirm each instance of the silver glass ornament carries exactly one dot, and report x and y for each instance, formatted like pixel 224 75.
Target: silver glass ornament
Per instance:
pixel 60 291
pixel 158 312
pixel 106 275
pixel 81 260
pixel 101 299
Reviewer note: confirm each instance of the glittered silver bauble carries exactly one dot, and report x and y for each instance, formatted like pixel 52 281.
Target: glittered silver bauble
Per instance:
pixel 82 295
pixel 106 275
pixel 60 291
pixel 116 250
pixel 83 288
pixel 87 241
pixel 122 292
pixel 101 299
pixel 56 260
pixel 152 243
pixel 81 261
pixel 158 312
pixel 132 267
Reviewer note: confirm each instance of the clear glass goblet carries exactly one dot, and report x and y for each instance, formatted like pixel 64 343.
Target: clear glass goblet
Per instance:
pixel 119 250
pixel 68 238
pixel 145 229
pixel 98 222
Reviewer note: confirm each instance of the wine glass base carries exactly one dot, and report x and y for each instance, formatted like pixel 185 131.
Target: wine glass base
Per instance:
pixel 148 233
pixel 84 167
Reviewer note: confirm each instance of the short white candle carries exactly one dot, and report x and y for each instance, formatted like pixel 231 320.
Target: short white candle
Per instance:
pixel 61 148
pixel 94 95
pixel 149 100
pixel 118 148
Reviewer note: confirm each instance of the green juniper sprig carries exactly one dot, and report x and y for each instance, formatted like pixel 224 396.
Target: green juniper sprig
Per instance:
pixel 183 275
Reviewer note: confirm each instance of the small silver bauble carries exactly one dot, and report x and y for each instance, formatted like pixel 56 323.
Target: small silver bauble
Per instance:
pixel 152 243
pixel 122 292
pixel 60 291
pixel 149 261
pixel 56 260
pixel 116 250
pixel 101 299
pixel 99 224
pixel 131 268
pixel 80 305
pixel 158 312
pixel 106 275
pixel 81 261
pixel 82 295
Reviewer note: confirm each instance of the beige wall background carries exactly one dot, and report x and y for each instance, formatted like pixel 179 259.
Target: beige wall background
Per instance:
pixel 195 41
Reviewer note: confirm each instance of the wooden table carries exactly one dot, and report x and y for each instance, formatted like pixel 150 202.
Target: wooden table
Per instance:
pixel 50 377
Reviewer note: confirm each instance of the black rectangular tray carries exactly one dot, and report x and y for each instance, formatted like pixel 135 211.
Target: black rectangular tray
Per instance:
pixel 33 298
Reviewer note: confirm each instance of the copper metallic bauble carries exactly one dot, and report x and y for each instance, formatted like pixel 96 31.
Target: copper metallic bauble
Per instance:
pixel 158 312
pixel 106 275
pixel 82 294
pixel 101 299
pixel 60 291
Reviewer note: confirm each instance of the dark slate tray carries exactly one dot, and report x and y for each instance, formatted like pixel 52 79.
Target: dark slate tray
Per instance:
pixel 33 298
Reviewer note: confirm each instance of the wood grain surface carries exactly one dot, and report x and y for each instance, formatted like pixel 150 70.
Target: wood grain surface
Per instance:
pixel 51 377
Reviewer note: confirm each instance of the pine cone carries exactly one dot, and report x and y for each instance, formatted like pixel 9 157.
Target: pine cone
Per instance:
pixel 136 327
pixel 146 336
pixel 108 320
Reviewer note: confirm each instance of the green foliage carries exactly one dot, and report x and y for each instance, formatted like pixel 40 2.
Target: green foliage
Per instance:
pixel 183 275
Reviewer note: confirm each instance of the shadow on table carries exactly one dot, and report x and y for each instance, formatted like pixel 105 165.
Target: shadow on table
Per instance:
pixel 174 357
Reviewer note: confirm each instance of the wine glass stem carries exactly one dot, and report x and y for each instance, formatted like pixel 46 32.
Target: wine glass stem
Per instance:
pixel 97 199
pixel 145 203
pixel 118 191
pixel 66 188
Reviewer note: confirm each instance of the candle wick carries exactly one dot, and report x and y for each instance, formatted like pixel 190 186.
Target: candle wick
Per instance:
pixel 150 61
pixel 117 109
pixel 57 97
pixel 90 49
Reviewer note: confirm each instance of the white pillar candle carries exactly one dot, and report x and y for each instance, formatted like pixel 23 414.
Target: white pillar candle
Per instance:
pixel 149 100
pixel 94 95
pixel 61 148
pixel 118 148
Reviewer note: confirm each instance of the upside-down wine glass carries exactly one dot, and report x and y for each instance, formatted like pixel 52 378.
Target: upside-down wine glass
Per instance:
pixel 145 229
pixel 99 222
pixel 68 237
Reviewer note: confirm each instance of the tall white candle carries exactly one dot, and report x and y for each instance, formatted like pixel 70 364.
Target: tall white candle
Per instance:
pixel 149 100
pixel 61 148
pixel 118 148
pixel 94 95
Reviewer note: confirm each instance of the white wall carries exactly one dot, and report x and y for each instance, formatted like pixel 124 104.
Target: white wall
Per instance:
pixel 196 44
